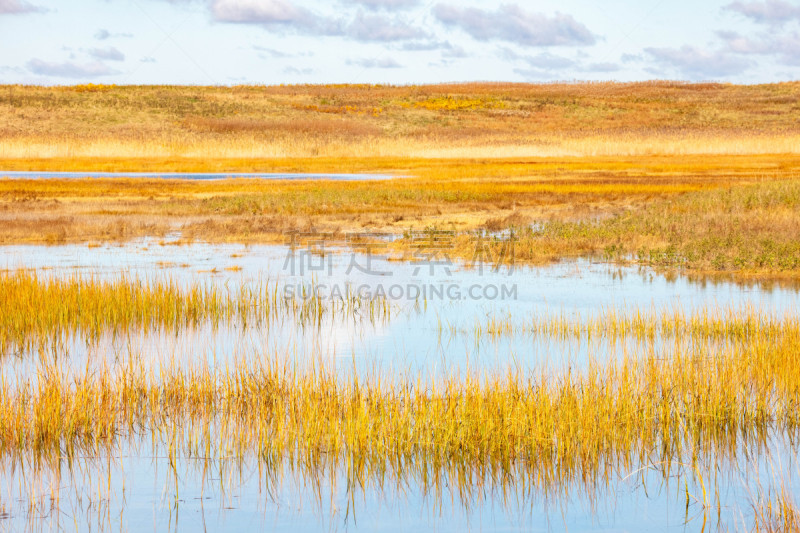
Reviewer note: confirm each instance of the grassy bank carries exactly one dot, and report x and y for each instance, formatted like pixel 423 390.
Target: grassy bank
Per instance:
pixel 753 229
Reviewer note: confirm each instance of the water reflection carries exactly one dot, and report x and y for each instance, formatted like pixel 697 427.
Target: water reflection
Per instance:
pixel 185 471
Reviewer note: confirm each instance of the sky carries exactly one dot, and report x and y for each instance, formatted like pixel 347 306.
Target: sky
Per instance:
pixel 229 42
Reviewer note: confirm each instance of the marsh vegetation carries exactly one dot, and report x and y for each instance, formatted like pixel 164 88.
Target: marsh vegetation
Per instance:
pixel 158 359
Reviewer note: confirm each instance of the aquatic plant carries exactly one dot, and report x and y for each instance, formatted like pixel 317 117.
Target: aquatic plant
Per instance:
pixel 37 312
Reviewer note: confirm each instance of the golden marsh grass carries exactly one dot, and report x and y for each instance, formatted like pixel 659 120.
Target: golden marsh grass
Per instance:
pixel 642 324
pixel 670 410
pixel 719 386
pixel 699 214
pixel 37 311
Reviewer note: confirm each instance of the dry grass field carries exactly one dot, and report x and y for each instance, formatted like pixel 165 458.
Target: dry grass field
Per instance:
pixel 460 120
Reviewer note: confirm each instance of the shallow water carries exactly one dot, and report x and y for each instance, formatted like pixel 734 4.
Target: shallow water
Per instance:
pixel 438 311
pixel 431 331
pixel 202 176
pixel 575 285
pixel 139 489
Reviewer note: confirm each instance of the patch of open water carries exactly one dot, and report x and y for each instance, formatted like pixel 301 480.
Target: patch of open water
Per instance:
pixel 194 176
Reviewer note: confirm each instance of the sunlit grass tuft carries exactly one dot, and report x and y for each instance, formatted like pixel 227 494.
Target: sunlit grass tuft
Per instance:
pixel 39 312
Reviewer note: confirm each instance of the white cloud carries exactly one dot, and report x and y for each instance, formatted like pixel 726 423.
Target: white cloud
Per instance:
pixel 631 58
pixel 695 63
pixel 102 34
pixel 298 71
pixel 17 7
pixel 548 61
pixel 784 47
pixel 385 62
pixel 424 46
pixel 69 69
pixel 264 12
pixel 271 52
pixel 109 53
pixel 385 4
pixel 601 67
pixel 512 24
pixel 291 17
pixel 774 12
pixel 380 28
pixel 547 65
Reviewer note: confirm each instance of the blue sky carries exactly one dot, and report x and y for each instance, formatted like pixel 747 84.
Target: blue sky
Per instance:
pixel 396 41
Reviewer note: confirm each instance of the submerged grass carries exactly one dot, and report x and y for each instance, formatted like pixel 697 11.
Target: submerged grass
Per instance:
pixel 706 323
pixel 687 405
pixel 778 513
pixel 668 411
pixel 39 311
